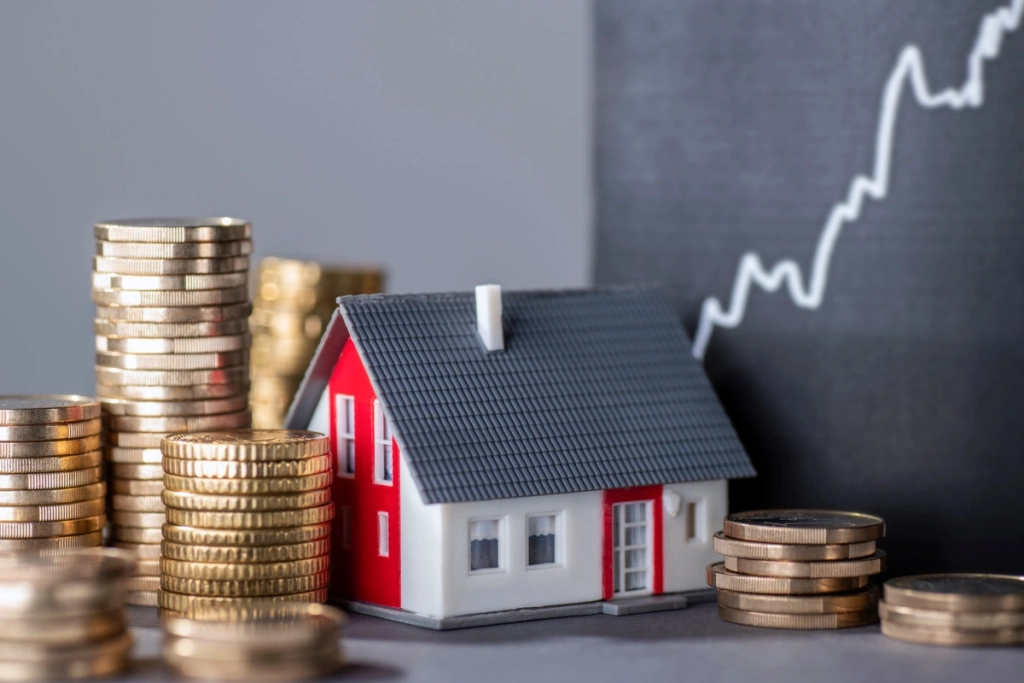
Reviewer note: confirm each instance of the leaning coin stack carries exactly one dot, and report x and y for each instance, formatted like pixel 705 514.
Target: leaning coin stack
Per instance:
pixel 954 609
pixel 287 641
pixel 248 519
pixel 801 569
pixel 51 479
pixel 63 616
pixel 172 355
pixel 294 302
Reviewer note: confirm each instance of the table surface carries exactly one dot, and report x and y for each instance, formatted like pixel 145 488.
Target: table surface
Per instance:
pixel 688 645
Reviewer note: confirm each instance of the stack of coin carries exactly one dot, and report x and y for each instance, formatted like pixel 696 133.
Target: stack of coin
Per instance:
pixel 286 641
pixel 954 609
pixel 172 355
pixel 248 518
pixel 63 616
pixel 51 479
pixel 803 569
pixel 294 302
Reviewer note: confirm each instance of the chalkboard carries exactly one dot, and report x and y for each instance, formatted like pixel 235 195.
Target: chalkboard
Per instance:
pixel 833 194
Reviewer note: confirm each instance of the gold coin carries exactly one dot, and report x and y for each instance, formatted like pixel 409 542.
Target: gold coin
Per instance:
pixel 142 598
pixel 180 423
pixel 174 314
pixel 189 250
pixel 719 577
pixel 244 589
pixel 114 406
pixel 134 534
pixel 82 581
pixel 53 513
pixel 75 494
pixel 43 465
pixel 136 503
pixel 284 469
pixel 864 566
pixel 144 583
pixel 184 500
pixel 959 621
pixel 258 644
pixel 39 481
pixel 192 604
pixel 87 667
pixel 146 520
pixel 790 552
pixel 957 592
pixel 173 230
pixel 180 266
pixel 133 456
pixel 63 630
pixel 137 487
pixel 251 487
pixel 73 527
pixel 245 537
pixel 160 298
pixel 38 653
pixel 171 361
pixel 932 635
pixel 223 571
pixel 136 440
pixel 163 393
pixel 251 520
pixel 126 471
pixel 248 445
pixel 834 620
pixel 174 346
pixel 245 555
pixel 50 432
pixel 55 545
pixel 307 666
pixel 164 283
pixel 42 409
pixel 148 568
pixel 186 378
pixel 108 328
pixel 31 449
pixel 274 625
pixel 143 551
pixel 855 601
pixel 810 527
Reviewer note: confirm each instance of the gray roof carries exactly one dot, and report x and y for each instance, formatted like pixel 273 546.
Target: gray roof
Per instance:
pixel 595 389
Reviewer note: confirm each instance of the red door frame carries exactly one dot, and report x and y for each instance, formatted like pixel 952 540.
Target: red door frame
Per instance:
pixel 634 494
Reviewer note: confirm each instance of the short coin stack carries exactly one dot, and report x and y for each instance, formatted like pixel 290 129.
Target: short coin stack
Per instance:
pixel 172 355
pixel 63 616
pixel 51 477
pixel 294 302
pixel 285 641
pixel 801 569
pixel 248 519
pixel 954 609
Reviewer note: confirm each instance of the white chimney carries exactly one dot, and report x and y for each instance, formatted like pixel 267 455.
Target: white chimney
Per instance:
pixel 488 317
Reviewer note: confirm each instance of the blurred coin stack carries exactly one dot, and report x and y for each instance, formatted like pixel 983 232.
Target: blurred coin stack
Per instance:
pixel 172 355
pixel 801 569
pixel 285 641
pixel 294 302
pixel 51 477
pixel 954 609
pixel 248 519
pixel 63 616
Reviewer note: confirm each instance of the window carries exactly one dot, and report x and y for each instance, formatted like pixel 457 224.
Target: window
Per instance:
pixel 345 416
pixel 383 540
pixel 696 522
pixel 542 540
pixel 346 527
pixel 485 545
pixel 382 467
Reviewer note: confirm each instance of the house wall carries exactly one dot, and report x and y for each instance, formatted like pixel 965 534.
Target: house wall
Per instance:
pixel 423 557
pixel 685 560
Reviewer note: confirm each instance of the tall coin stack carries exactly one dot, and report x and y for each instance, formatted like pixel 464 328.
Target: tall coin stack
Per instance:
pixel 248 519
pixel 954 609
pixel 51 479
pixel 172 354
pixel 801 569
pixel 294 302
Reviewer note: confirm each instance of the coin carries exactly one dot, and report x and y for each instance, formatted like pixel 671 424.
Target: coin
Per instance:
pixel 189 250
pixel 957 592
pixel 142 598
pixel 115 406
pixel 73 527
pixel 74 494
pixel 51 432
pixel 60 463
pixel 229 487
pixel 184 500
pixel 126 266
pixel 53 513
pixel 273 624
pixel 22 652
pixel 26 449
pixel 173 345
pixel 133 456
pixel 136 440
pixel 137 487
pixel 174 378
pixel 864 566
pixel 145 520
pixel 180 423
pixel 250 520
pixel 50 480
pixel 199 392
pixel 171 361
pixel 143 551
pixel 719 577
pixel 174 315
pixel 834 620
pixel 42 409
pixel 170 298
pixel 167 283
pixel 136 503
pixel 223 571
pixel 144 583
pixel 148 567
pixel 246 555
pixel 63 630
pixel 173 230
pixel 302 667
pixel 136 534
pixel 108 328
pixel 54 545
pixel 244 589
pixel 960 621
pixel 245 537
pixel 790 552
pixel 855 601
pixel 126 471
pixel 248 445
pixel 185 604
pixel 932 635
pixel 811 527
pixel 284 469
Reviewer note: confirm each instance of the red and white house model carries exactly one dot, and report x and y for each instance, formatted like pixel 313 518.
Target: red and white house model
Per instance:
pixel 522 456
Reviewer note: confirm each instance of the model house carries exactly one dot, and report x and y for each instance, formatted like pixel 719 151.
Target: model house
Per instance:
pixel 505 456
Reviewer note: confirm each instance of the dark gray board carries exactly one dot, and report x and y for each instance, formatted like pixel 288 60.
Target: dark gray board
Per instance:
pixel 724 128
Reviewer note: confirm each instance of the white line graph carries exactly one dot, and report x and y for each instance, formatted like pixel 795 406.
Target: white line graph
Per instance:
pixel 909 71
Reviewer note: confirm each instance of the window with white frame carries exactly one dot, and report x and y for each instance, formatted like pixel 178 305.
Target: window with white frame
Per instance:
pixel 542 534
pixel 485 544
pixel 345 429
pixel 383 535
pixel 382 455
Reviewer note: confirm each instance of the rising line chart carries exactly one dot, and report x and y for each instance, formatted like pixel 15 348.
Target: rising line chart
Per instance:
pixel 908 72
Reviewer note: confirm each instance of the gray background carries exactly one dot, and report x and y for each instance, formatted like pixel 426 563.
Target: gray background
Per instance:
pixel 447 140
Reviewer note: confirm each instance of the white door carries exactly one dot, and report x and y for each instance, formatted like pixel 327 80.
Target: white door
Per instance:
pixel 632 552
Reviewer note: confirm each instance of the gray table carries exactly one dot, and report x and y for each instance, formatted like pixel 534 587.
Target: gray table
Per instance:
pixel 690 645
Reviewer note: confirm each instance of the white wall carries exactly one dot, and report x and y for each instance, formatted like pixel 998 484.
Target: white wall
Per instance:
pixel 423 559
pixel 685 561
